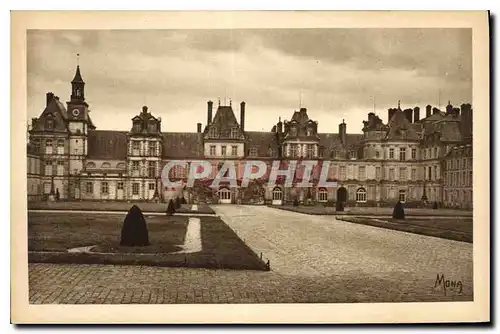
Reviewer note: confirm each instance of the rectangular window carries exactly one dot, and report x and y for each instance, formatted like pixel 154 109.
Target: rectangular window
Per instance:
pixel 402 196
pixel 429 173
pixel 424 156
pixel 223 150
pixel 310 151
pixel 362 173
pixel 136 145
pixel 212 150
pixel 151 186
pixel 60 168
pixel 253 152
pixel 391 174
pixel 89 187
pixel 48 167
pixel 342 172
pixel 119 186
pixel 414 153
pixel 104 188
pixel 60 146
pixel 378 173
pixel 48 146
pixel 463 178
pixel 152 148
pixel 435 173
pixel 321 152
pixel 402 154
pixel 293 150
pixel 402 174
pixel 470 178
pixel 135 165
pixel 413 174
pixel 391 153
pixel 234 132
pixel 135 188
pixel 377 154
pixel 435 152
pixel 151 169
pixel 234 150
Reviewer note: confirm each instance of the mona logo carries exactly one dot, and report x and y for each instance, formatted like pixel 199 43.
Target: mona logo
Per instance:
pixel 447 284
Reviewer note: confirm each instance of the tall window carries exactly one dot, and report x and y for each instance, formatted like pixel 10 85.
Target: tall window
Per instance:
pixel 435 152
pixel 135 168
pixel 273 152
pixel 223 150
pixel 48 146
pixel 152 127
pixel 391 153
pixel 402 174
pixel 435 173
pixel 152 148
pixel 212 132
pixel 234 150
pixel 151 186
pixel 322 195
pixel 463 179
pixel 104 188
pixel 293 150
pixel 212 150
pixel 402 196
pixel 402 153
pixel 413 174
pixel 151 169
pixel 234 132
pixel 48 167
pixel 119 186
pixel 135 188
pixel 362 173
pixel 342 172
pixel 378 173
pixel 136 146
pixel 424 155
pixel 377 154
pixel 470 178
pixel 321 152
pixel 414 153
pixel 361 195
pixel 89 187
pixel 253 151
pixel 310 151
pixel 60 168
pixel 429 173
pixel 391 174
pixel 60 146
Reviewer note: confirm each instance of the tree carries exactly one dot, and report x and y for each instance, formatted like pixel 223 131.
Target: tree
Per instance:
pixel 170 208
pixel 134 229
pixel 398 212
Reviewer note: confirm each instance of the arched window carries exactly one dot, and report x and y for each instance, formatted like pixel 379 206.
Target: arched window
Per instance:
pixel 90 165
pixel 277 194
pixel 361 195
pixel 105 165
pixel 322 195
pixel 402 196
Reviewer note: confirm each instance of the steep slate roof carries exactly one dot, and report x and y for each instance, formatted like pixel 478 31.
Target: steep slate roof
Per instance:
pixel 182 145
pixel 58 112
pixel 103 144
pixel 398 123
pixel 224 117
pixel 331 142
pixel 262 140
pixel 78 76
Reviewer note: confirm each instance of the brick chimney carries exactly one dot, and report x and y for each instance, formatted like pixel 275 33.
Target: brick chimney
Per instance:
pixel 50 97
pixel 466 119
pixel 409 114
pixel 449 108
pixel 428 110
pixel 343 132
pixel 416 114
pixel 242 115
pixel 279 126
pixel 209 114
pixel 435 110
pixel 198 127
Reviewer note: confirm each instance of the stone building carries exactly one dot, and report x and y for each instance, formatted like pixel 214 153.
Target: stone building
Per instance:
pixel 406 158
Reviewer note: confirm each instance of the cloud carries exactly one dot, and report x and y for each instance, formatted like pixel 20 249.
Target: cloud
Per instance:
pixel 335 71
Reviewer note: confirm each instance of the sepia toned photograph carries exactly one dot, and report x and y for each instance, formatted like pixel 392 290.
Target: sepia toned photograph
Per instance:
pixel 253 166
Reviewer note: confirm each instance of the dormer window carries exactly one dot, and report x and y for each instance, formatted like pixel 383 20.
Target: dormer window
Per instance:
pixel 213 132
pixel 253 152
pixel 50 124
pixel 309 132
pixel 137 126
pixel 234 132
pixel 293 131
pixel 152 127
pixel 321 152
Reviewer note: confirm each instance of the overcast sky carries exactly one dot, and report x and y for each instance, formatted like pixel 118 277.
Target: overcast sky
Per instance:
pixel 175 72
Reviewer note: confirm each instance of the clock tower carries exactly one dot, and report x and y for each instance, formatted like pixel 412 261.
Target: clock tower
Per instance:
pixel 79 123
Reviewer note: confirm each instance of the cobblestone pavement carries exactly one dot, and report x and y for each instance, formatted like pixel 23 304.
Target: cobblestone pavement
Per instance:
pixel 313 259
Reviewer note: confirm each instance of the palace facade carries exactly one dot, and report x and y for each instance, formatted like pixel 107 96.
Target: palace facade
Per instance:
pixel 416 160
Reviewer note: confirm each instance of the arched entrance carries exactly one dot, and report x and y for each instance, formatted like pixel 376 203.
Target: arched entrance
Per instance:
pixel 225 196
pixel 341 194
pixel 277 196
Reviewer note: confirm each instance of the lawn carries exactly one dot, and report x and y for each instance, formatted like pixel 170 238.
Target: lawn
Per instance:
pixel 446 228
pixel 114 206
pixel 372 211
pixel 50 235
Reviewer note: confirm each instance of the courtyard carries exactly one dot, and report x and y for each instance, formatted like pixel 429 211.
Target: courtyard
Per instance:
pixel 313 259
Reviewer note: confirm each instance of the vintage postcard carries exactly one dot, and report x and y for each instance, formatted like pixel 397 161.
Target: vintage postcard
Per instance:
pixel 250 167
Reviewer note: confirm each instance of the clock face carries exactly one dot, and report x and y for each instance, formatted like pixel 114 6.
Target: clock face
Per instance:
pixel 76 112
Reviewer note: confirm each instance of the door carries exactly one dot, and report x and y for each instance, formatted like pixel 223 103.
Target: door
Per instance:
pixel 225 196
